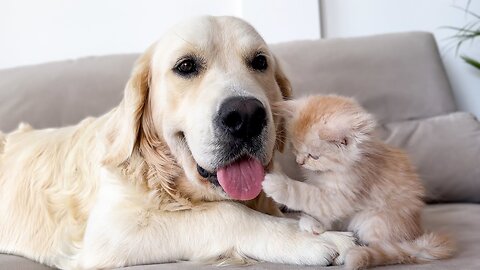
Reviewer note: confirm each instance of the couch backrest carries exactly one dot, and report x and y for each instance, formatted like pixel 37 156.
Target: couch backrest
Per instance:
pixel 62 93
pixel 395 76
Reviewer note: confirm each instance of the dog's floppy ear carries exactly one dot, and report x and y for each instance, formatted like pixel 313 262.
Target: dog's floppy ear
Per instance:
pixel 286 90
pixel 282 81
pixel 121 130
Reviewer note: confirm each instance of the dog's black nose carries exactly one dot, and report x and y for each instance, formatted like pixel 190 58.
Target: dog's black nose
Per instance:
pixel 242 117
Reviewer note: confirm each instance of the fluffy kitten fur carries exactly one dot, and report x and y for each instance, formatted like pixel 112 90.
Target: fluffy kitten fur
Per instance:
pixel 355 182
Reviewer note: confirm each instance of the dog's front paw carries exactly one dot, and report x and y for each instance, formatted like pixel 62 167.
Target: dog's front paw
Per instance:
pixel 344 241
pixel 311 225
pixel 330 247
pixel 276 187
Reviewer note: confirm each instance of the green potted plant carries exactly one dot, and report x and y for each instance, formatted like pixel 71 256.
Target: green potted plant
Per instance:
pixel 468 32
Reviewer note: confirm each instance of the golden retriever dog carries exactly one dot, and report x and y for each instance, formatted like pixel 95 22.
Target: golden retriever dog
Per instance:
pixel 172 173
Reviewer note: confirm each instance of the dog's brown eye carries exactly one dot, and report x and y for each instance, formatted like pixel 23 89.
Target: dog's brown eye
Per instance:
pixel 259 63
pixel 187 67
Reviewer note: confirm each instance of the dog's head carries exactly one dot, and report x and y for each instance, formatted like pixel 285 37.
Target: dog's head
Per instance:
pixel 205 90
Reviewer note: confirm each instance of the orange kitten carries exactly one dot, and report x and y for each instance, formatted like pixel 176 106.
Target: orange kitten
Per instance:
pixel 354 181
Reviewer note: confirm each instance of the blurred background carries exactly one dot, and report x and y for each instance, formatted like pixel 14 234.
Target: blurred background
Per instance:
pixel 33 31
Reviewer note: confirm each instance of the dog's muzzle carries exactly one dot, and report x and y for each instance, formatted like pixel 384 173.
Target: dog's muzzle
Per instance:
pixel 241 118
pixel 240 127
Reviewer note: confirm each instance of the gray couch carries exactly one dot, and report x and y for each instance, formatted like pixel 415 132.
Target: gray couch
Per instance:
pixel 398 77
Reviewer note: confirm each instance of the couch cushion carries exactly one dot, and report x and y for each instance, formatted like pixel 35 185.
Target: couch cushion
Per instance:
pixel 446 152
pixel 62 93
pixel 459 219
pixel 395 76
pixel 12 262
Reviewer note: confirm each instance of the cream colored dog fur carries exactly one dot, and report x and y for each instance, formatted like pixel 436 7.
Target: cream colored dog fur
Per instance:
pixel 123 189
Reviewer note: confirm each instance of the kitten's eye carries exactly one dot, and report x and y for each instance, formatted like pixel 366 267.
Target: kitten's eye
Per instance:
pixel 313 157
pixel 343 142
pixel 259 62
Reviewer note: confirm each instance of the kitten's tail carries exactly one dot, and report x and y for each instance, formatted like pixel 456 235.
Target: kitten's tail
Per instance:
pixel 428 247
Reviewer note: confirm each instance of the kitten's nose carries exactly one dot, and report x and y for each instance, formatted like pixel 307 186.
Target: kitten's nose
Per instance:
pixel 300 160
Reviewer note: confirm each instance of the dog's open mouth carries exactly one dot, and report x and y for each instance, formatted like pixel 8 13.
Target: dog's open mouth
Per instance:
pixel 241 179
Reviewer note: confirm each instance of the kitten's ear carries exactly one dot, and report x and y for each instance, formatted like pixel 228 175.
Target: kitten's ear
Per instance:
pixel 364 122
pixel 367 123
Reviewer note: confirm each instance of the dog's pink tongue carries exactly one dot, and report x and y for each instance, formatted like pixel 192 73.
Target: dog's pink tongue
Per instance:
pixel 242 180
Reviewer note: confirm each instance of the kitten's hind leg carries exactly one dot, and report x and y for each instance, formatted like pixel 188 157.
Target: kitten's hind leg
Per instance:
pixel 384 226
pixel 370 228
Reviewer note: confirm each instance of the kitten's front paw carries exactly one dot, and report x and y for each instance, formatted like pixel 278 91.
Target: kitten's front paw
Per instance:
pixel 276 187
pixel 311 225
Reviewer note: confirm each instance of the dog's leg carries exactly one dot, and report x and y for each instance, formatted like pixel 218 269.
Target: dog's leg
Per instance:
pixel 2 142
pixel 117 238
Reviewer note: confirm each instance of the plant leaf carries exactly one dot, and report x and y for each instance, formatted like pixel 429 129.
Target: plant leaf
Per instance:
pixel 467 11
pixel 471 61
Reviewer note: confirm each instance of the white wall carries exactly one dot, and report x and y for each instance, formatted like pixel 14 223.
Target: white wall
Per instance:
pixel 33 31
pixel 344 18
